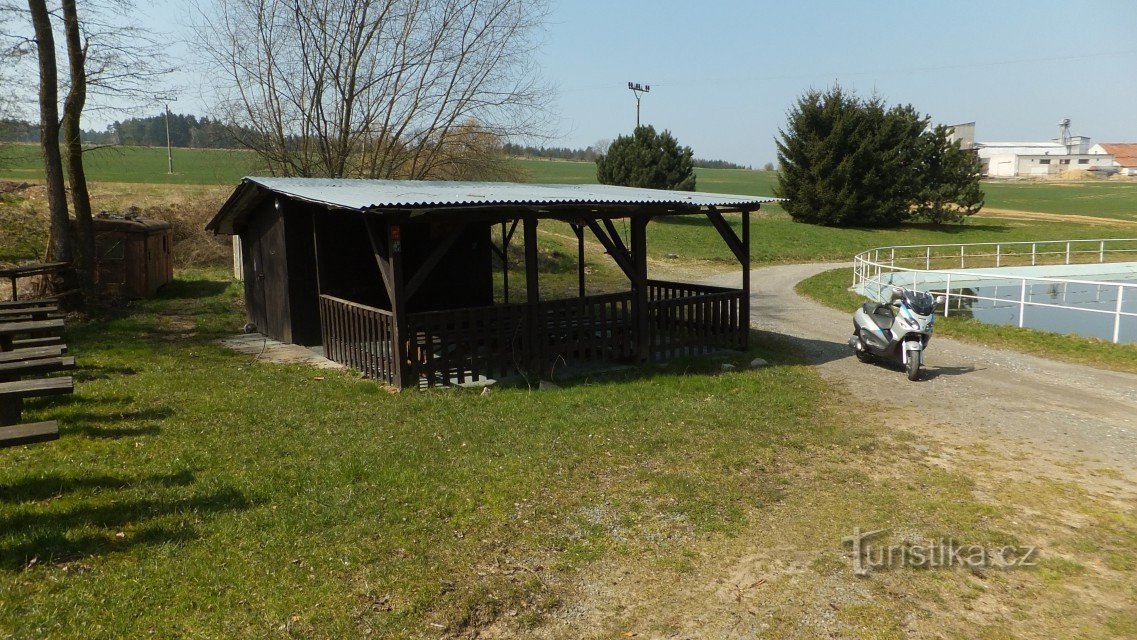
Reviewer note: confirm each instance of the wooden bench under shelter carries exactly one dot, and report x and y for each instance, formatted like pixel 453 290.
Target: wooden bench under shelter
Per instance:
pixel 25 357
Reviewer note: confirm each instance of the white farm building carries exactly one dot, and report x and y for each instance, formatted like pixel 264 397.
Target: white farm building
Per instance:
pixel 1054 158
pixel 1009 159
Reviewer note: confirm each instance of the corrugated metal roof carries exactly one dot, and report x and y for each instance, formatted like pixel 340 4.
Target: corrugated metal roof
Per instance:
pixel 451 198
pixel 988 149
pixel 410 194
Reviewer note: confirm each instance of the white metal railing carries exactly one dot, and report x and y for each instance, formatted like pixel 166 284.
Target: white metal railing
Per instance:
pixel 935 266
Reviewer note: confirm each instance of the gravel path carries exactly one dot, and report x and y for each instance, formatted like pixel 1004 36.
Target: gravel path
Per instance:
pixel 1081 413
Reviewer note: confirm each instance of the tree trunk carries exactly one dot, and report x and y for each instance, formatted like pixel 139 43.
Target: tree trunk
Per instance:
pixel 71 129
pixel 60 247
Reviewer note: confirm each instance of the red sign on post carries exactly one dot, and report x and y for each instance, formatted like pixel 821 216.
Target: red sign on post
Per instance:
pixel 395 232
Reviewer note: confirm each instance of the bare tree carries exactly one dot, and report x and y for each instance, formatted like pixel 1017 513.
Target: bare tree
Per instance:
pixel 374 88
pixel 107 59
pixel 70 131
pixel 60 246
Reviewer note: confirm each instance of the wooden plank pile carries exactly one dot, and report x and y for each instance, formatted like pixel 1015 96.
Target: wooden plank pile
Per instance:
pixel 31 348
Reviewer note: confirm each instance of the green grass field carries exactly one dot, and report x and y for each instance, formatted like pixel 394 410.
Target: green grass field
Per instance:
pixel 140 165
pixel 1089 198
pixel 196 493
pixel 198 166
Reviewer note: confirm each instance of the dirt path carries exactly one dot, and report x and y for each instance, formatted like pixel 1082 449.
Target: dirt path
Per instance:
pixel 1050 217
pixel 1073 413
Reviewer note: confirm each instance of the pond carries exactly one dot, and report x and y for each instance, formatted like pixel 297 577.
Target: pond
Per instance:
pixel 1092 314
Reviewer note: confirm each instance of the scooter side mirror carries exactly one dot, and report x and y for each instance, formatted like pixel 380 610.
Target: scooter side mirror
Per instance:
pixel 940 300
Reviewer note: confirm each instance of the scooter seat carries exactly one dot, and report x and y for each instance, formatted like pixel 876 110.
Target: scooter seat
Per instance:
pixel 881 314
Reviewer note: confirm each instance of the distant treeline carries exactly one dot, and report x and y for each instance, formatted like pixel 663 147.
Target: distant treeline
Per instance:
pixel 192 132
pixel 185 131
pixel 589 155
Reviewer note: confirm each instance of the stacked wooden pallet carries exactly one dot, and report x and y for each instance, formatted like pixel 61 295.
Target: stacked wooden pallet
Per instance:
pixel 31 348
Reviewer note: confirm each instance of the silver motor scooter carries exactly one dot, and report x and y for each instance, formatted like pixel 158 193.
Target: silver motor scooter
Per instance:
pixel 898 331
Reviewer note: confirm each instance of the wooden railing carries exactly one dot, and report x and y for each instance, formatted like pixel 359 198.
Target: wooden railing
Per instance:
pixel 458 346
pixel 467 345
pixel 589 329
pixel 358 336
pixel 690 319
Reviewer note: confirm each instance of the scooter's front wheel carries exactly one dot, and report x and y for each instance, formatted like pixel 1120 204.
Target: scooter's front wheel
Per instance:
pixel 913 365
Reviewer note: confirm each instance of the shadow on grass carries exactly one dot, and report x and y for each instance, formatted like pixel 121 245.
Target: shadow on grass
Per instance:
pixel 86 373
pixel 87 413
pixel 183 289
pixel 106 526
pixel 775 348
pixel 54 485
pixel 112 433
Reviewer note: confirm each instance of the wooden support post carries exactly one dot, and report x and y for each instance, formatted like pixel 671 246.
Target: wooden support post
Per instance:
pixel 505 263
pixel 387 244
pixel 533 295
pixel 639 287
pixel 400 332
pixel 615 249
pixel 578 229
pixel 744 310
pixel 316 254
pixel 376 232
pixel 503 254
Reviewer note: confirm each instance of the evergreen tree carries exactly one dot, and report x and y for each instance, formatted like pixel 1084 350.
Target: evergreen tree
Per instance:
pixel 851 162
pixel 647 159
pixel 950 190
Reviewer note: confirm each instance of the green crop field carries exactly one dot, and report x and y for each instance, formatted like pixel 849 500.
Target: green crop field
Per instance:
pixel 1107 199
pixel 141 165
pixel 1112 199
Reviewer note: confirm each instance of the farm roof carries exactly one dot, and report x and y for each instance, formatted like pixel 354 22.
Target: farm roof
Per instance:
pixel 1125 153
pixel 987 149
pixel 417 197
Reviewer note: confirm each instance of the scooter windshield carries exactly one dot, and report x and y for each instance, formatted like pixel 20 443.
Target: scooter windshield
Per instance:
pixel 920 302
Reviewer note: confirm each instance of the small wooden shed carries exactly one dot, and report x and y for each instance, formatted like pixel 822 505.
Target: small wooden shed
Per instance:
pixel 134 256
pixel 396 278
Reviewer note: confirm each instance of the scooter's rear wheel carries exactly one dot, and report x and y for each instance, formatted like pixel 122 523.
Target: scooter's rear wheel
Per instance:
pixel 913 365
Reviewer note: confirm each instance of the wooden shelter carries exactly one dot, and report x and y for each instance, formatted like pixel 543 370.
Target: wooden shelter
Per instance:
pixel 396 278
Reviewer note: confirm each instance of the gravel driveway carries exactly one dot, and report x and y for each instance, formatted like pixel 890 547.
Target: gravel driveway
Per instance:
pixel 1081 413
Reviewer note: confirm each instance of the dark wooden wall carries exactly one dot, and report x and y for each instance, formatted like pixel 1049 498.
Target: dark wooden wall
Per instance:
pixel 303 291
pixel 346 261
pixel 266 272
pixel 297 251
pixel 464 277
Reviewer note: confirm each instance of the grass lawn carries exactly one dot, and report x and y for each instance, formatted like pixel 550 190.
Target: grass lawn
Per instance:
pixel 141 165
pixel 831 288
pixel 776 238
pixel 195 493
pixel 1106 199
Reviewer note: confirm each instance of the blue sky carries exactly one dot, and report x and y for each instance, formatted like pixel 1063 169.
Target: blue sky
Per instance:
pixel 724 73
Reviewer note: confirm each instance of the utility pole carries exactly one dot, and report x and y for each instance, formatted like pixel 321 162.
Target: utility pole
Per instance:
pixel 639 90
pixel 169 145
